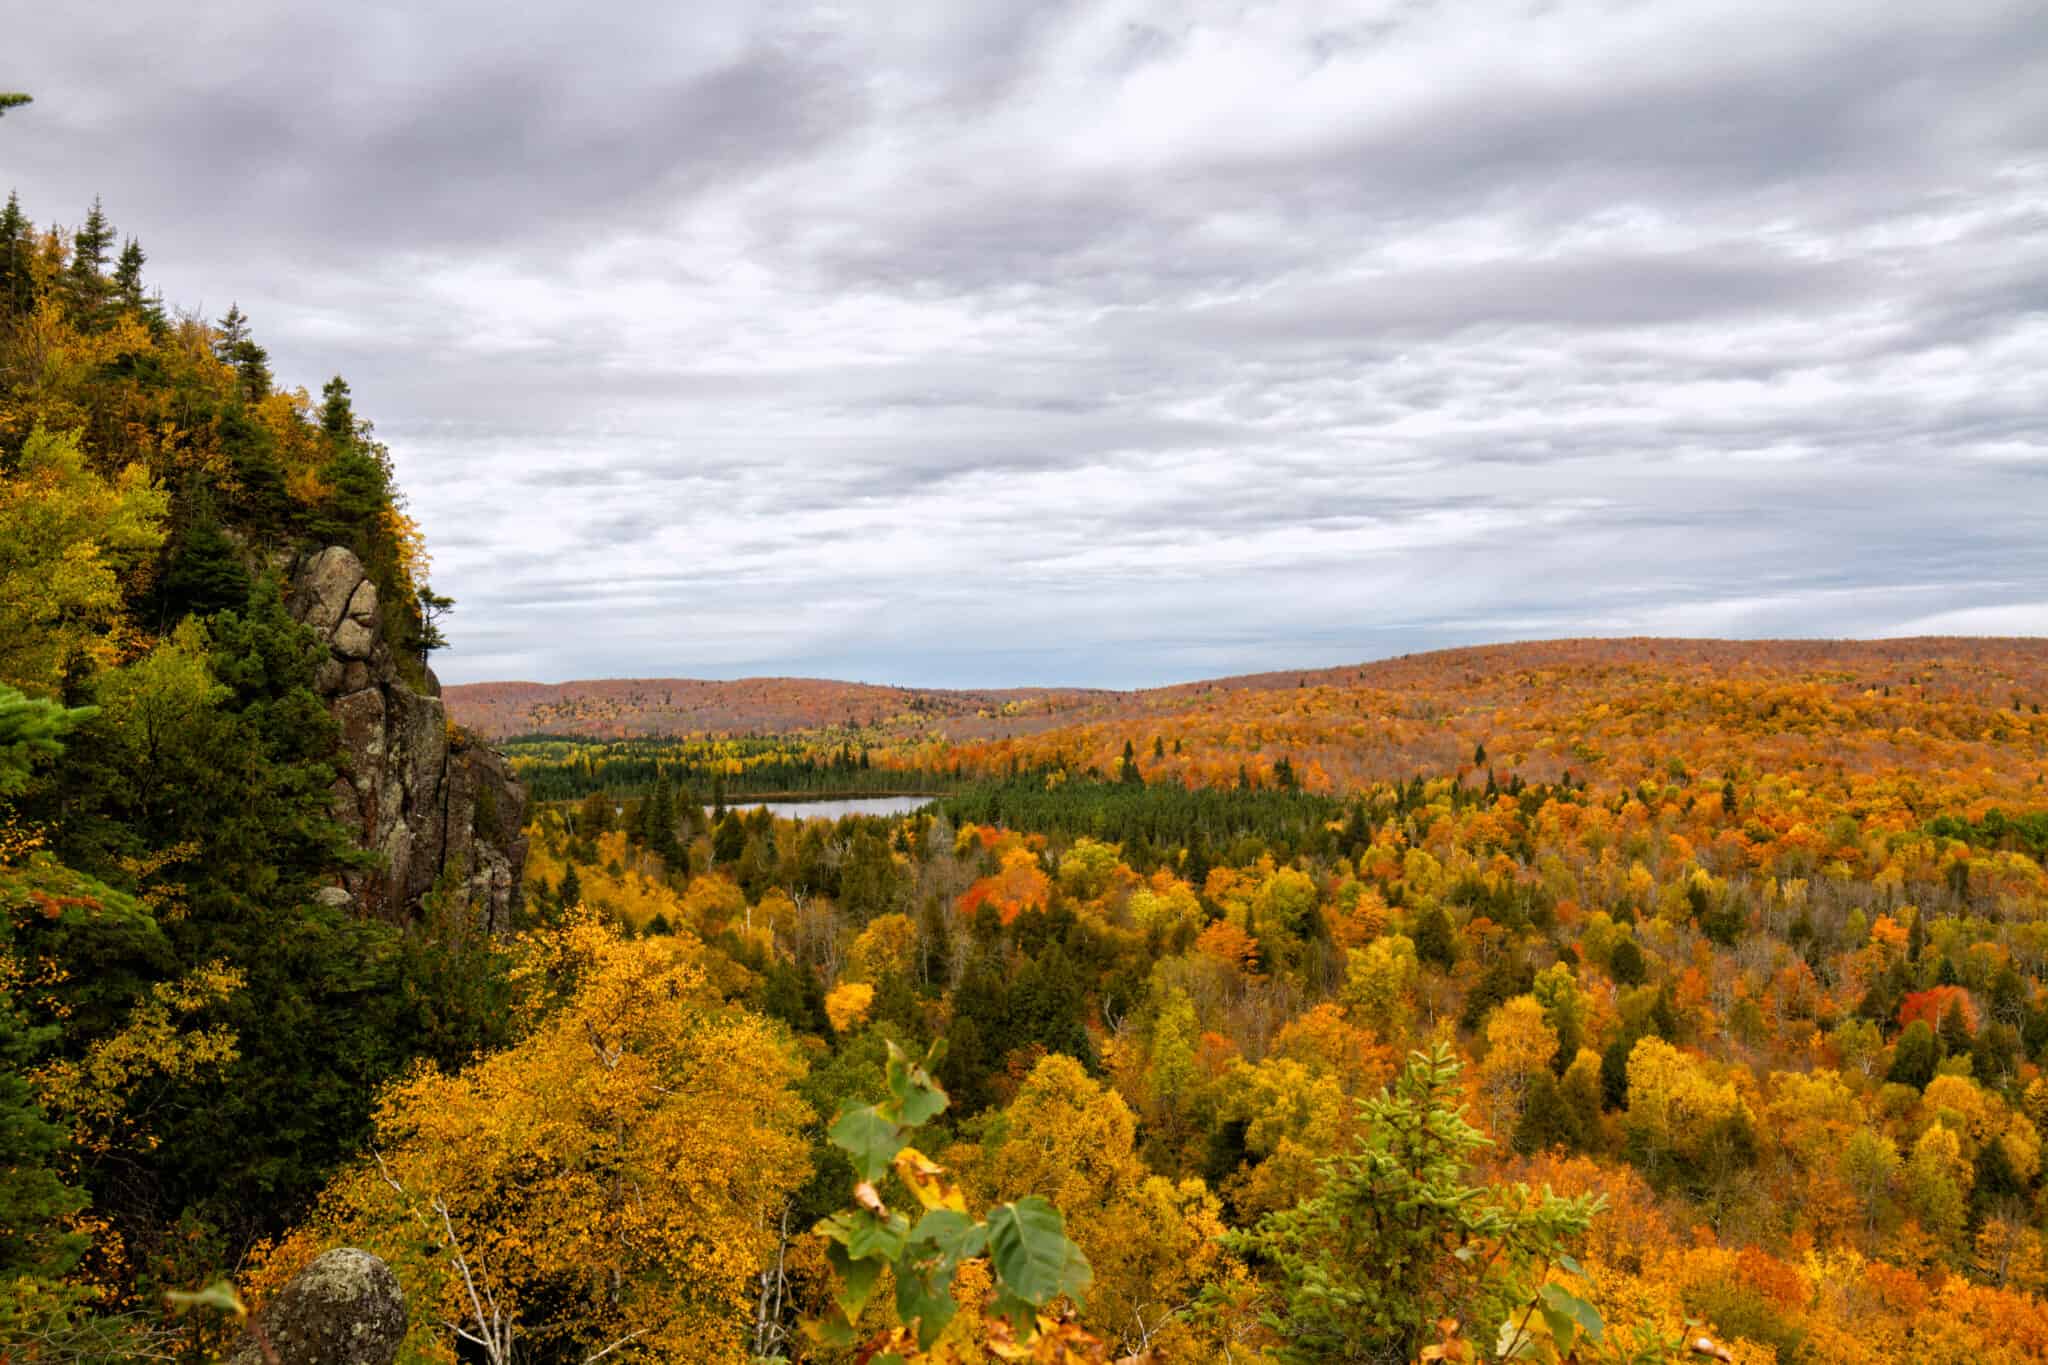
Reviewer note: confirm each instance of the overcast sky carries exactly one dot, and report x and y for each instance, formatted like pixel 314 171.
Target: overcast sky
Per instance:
pixel 976 343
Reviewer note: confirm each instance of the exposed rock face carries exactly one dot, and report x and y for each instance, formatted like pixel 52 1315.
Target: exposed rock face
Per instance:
pixel 429 803
pixel 344 1309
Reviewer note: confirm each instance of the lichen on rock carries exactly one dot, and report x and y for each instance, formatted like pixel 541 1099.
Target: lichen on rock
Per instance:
pixel 346 1308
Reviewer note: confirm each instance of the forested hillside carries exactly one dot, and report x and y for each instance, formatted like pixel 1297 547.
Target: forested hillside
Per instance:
pixel 1603 1001
pixel 626 707
pixel 208 963
pixel 1741 946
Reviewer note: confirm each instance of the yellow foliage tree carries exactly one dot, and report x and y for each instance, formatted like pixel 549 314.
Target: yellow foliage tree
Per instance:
pixel 613 1176
pixel 1153 1242
pixel 70 542
pixel 847 1005
pixel 1518 1045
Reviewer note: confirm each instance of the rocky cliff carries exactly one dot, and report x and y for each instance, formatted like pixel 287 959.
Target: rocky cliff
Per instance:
pixel 431 802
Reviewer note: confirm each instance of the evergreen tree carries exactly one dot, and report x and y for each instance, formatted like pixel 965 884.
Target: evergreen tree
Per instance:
pixel 730 839
pixel 31 729
pixel 1547 1121
pixel 87 272
pixel 17 283
pixel 205 573
pixel 1435 940
pixel 1917 1055
pixel 1955 1032
pixel 868 878
pixel 337 413
pixel 128 291
pixel 230 331
pixel 1626 965
pixel 658 821
pixel 34 1203
pixel 1369 1264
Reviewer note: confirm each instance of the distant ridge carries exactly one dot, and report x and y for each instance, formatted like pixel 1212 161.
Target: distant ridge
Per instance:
pixel 628 707
pixel 625 707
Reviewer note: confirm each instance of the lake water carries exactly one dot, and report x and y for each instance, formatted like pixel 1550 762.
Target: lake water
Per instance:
pixel 833 809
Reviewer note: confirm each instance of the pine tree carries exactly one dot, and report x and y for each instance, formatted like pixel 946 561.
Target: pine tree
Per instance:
pixel 1434 942
pixel 233 345
pixel 1370 1263
pixel 337 413
pixel 128 292
pixel 205 574
pixel 1955 1032
pixel 1916 1056
pixel 89 246
pixel 230 332
pixel 1625 964
pixel 1547 1121
pixel 252 367
pixel 31 729
pixel 86 278
pixel 34 1203
pixel 128 274
pixel 17 284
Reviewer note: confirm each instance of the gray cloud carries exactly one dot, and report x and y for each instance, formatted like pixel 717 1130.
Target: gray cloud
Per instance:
pixel 1124 342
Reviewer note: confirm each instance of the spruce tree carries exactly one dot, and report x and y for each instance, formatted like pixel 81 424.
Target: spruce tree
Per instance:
pixel 337 413
pixel 17 284
pixel 1368 1265
pixel 1625 964
pixel 1955 1032
pixel 35 1204
pixel 205 574
pixel 31 729
pixel 230 332
pixel 1434 941
pixel 1917 1055
pixel 89 247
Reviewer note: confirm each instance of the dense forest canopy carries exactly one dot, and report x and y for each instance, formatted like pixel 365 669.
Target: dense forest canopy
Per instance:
pixel 1613 1001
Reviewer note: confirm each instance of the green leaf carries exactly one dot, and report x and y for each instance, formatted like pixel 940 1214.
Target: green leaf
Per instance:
pixel 834 1330
pixel 953 1234
pixel 926 1299
pixel 871 1140
pixel 856 1280
pixel 1570 1266
pixel 916 1096
pixel 1562 1330
pixel 870 1236
pixel 1028 1246
pixel 1559 1299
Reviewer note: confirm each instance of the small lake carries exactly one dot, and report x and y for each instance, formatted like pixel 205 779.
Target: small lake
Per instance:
pixel 833 808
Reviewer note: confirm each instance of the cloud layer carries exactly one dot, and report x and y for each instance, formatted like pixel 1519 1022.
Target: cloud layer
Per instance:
pixel 1121 343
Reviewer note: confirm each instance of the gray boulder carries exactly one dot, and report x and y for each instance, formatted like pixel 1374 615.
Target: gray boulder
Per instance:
pixel 344 1309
